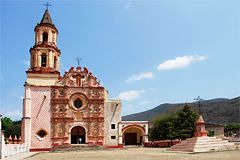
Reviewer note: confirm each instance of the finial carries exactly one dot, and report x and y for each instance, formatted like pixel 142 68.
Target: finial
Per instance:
pixel 47 5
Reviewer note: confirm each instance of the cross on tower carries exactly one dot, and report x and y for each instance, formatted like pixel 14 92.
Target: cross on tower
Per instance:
pixel 47 5
pixel 78 59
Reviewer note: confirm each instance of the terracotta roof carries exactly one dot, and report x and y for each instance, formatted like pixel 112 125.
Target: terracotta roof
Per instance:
pixel 46 17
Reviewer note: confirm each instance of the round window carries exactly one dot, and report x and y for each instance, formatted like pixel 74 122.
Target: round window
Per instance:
pixel 42 133
pixel 77 103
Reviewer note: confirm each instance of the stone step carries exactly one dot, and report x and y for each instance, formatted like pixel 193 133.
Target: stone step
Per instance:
pixel 203 149
pixel 207 147
pixel 203 144
pixel 212 146
pixel 209 143
pixel 213 149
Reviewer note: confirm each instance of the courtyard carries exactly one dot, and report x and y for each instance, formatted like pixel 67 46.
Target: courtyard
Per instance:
pixel 135 154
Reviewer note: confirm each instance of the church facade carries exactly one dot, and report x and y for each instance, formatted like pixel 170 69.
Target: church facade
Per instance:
pixel 69 109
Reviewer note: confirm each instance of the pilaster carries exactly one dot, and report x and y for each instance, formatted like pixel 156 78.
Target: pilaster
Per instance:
pixel 26 120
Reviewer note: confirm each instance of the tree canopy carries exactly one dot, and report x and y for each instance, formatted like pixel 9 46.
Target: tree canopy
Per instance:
pixel 231 129
pixel 179 125
pixel 11 127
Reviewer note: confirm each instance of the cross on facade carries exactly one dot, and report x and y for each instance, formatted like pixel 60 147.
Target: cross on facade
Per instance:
pixel 47 5
pixel 78 59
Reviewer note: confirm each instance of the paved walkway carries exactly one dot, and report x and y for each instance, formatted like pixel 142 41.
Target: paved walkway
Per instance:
pixel 20 156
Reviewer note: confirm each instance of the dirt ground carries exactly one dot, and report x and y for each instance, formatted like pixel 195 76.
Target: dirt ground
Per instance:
pixel 136 154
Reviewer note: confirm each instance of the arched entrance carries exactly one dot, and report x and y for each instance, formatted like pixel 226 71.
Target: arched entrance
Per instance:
pixel 133 135
pixel 78 135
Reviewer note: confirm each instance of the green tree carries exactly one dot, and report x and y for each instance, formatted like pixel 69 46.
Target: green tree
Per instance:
pixel 185 122
pixel 232 128
pixel 163 129
pixel 179 125
pixel 11 127
pixel 6 123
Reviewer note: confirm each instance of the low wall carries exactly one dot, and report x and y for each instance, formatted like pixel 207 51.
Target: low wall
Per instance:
pixel 12 149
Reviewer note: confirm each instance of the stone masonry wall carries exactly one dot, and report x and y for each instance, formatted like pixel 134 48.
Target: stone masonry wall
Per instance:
pixel 41 116
pixel 112 114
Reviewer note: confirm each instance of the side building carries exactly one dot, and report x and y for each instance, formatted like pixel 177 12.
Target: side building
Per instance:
pixel 73 108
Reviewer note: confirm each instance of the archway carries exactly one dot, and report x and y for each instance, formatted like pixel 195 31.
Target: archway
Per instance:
pixel 45 37
pixel 78 135
pixel 133 135
pixel 43 60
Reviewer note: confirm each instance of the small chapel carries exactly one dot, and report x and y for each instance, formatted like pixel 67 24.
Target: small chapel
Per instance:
pixel 73 108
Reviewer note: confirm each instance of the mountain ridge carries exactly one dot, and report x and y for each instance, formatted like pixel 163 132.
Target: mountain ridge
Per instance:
pixel 217 110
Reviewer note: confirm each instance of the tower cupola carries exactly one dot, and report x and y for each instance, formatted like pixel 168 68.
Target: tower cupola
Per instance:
pixel 45 56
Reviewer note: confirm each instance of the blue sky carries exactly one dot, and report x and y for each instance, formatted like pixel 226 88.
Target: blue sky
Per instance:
pixel 144 52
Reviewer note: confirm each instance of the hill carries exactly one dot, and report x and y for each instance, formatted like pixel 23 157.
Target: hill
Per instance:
pixel 220 110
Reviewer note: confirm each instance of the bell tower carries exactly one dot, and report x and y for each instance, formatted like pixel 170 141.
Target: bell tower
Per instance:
pixel 43 73
pixel 44 55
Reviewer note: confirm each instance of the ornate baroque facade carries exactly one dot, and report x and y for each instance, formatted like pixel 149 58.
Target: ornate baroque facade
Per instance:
pixel 69 109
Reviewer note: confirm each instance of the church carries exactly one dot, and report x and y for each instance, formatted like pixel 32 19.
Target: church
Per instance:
pixel 73 108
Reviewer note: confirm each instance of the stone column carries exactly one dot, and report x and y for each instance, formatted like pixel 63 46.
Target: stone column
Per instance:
pixel 39 60
pixel 50 59
pixel 55 35
pixel 50 36
pixel 35 62
pixel 40 36
pixel 58 63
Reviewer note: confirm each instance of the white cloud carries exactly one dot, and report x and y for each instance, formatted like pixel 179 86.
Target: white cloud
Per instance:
pixel 138 77
pixel 130 95
pixel 147 102
pixel 127 6
pixel 179 62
